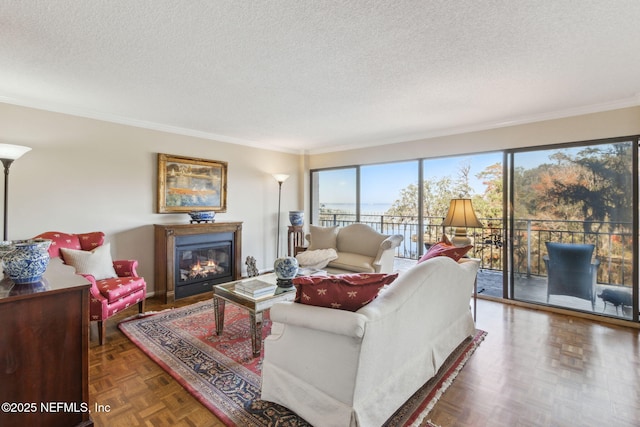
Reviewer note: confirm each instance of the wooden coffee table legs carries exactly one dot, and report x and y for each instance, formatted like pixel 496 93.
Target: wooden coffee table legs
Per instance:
pixel 255 320
pixel 218 312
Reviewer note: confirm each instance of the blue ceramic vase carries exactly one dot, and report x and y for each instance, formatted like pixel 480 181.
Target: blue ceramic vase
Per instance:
pixel 296 218
pixel 25 261
pixel 286 269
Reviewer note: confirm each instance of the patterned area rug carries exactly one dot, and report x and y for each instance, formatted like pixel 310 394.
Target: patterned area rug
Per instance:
pixel 222 374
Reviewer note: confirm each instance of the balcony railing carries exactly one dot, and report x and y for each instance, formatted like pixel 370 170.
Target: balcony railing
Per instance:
pixel 612 247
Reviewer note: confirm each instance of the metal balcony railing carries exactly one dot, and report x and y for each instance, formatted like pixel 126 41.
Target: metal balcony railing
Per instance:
pixel 613 246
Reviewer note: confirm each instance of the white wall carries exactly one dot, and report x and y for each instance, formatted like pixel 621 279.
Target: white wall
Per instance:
pixel 87 175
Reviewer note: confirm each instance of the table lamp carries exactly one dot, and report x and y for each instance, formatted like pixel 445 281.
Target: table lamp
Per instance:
pixel 461 216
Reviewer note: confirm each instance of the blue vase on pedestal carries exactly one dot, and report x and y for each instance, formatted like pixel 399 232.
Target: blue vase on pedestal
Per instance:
pixel 296 218
pixel 286 269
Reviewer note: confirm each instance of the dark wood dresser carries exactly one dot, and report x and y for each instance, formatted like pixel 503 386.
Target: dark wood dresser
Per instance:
pixel 44 344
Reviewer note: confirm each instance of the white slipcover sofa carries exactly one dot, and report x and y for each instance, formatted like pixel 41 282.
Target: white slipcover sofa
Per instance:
pixel 359 248
pixel 341 368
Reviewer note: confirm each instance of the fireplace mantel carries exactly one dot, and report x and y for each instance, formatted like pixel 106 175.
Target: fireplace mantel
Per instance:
pixel 166 237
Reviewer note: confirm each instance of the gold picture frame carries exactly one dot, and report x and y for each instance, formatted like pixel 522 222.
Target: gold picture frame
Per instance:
pixel 188 184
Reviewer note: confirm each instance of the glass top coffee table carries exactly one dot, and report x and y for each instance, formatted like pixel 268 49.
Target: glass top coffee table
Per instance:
pixel 256 306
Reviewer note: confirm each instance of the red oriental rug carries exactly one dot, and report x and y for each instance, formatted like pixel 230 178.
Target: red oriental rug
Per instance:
pixel 222 374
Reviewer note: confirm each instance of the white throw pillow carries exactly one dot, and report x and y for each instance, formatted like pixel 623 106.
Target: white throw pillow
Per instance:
pixel 323 237
pixel 318 258
pixel 97 262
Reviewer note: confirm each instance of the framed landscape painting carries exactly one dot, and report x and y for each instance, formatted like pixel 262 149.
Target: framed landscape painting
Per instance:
pixel 186 184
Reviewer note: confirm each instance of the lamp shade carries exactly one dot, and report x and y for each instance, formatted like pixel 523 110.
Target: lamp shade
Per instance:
pixel 12 152
pixel 280 177
pixel 461 214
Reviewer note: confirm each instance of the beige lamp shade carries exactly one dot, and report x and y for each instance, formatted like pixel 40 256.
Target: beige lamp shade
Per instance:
pixel 461 214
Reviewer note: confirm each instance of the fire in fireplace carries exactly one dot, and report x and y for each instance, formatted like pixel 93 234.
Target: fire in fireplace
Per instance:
pixel 202 261
pixel 206 270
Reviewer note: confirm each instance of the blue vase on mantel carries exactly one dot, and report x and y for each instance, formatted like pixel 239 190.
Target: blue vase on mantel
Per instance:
pixel 296 218
pixel 286 269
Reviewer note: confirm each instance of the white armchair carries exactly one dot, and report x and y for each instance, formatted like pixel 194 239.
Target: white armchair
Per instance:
pixel 359 247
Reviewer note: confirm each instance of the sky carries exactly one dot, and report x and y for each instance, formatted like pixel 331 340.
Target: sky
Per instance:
pixel 383 183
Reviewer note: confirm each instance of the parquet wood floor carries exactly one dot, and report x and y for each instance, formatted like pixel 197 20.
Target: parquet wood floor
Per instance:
pixel 135 389
pixel 537 368
pixel 534 369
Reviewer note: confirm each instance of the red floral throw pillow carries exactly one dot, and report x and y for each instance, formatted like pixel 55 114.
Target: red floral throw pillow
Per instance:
pixel 90 241
pixel 342 291
pixel 445 249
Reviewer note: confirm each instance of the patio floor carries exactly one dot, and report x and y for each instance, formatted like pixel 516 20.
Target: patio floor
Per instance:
pixel 533 289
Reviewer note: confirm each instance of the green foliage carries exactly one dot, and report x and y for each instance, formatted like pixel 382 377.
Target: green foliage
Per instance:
pixel 592 186
pixel 489 204
pixel 437 193
pixel 436 199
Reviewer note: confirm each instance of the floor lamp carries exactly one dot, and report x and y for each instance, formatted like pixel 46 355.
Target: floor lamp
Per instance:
pixel 9 153
pixel 280 178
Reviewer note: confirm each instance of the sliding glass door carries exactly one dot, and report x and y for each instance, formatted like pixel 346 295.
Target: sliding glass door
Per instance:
pixel 563 233
pixel 389 201
pixel 572 227
pixel 334 196
pixel 478 177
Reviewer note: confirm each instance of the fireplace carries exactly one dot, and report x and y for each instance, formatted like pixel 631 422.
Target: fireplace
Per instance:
pixel 201 261
pixel 191 258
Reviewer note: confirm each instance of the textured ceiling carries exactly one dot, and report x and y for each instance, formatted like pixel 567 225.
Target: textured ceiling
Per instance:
pixel 315 76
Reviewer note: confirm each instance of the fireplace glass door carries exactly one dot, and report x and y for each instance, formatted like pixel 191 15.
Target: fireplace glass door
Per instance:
pixel 201 263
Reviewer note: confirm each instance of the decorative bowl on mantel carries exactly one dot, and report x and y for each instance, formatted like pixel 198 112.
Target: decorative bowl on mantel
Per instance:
pixel 201 216
pixel 25 261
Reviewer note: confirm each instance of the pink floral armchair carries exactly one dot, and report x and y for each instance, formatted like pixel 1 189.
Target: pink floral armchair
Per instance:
pixel 109 295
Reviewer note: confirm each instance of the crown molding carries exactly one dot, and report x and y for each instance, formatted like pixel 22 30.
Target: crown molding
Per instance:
pixel 632 101
pixel 127 121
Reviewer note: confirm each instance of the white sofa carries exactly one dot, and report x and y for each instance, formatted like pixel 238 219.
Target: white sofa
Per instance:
pixel 359 248
pixel 341 368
